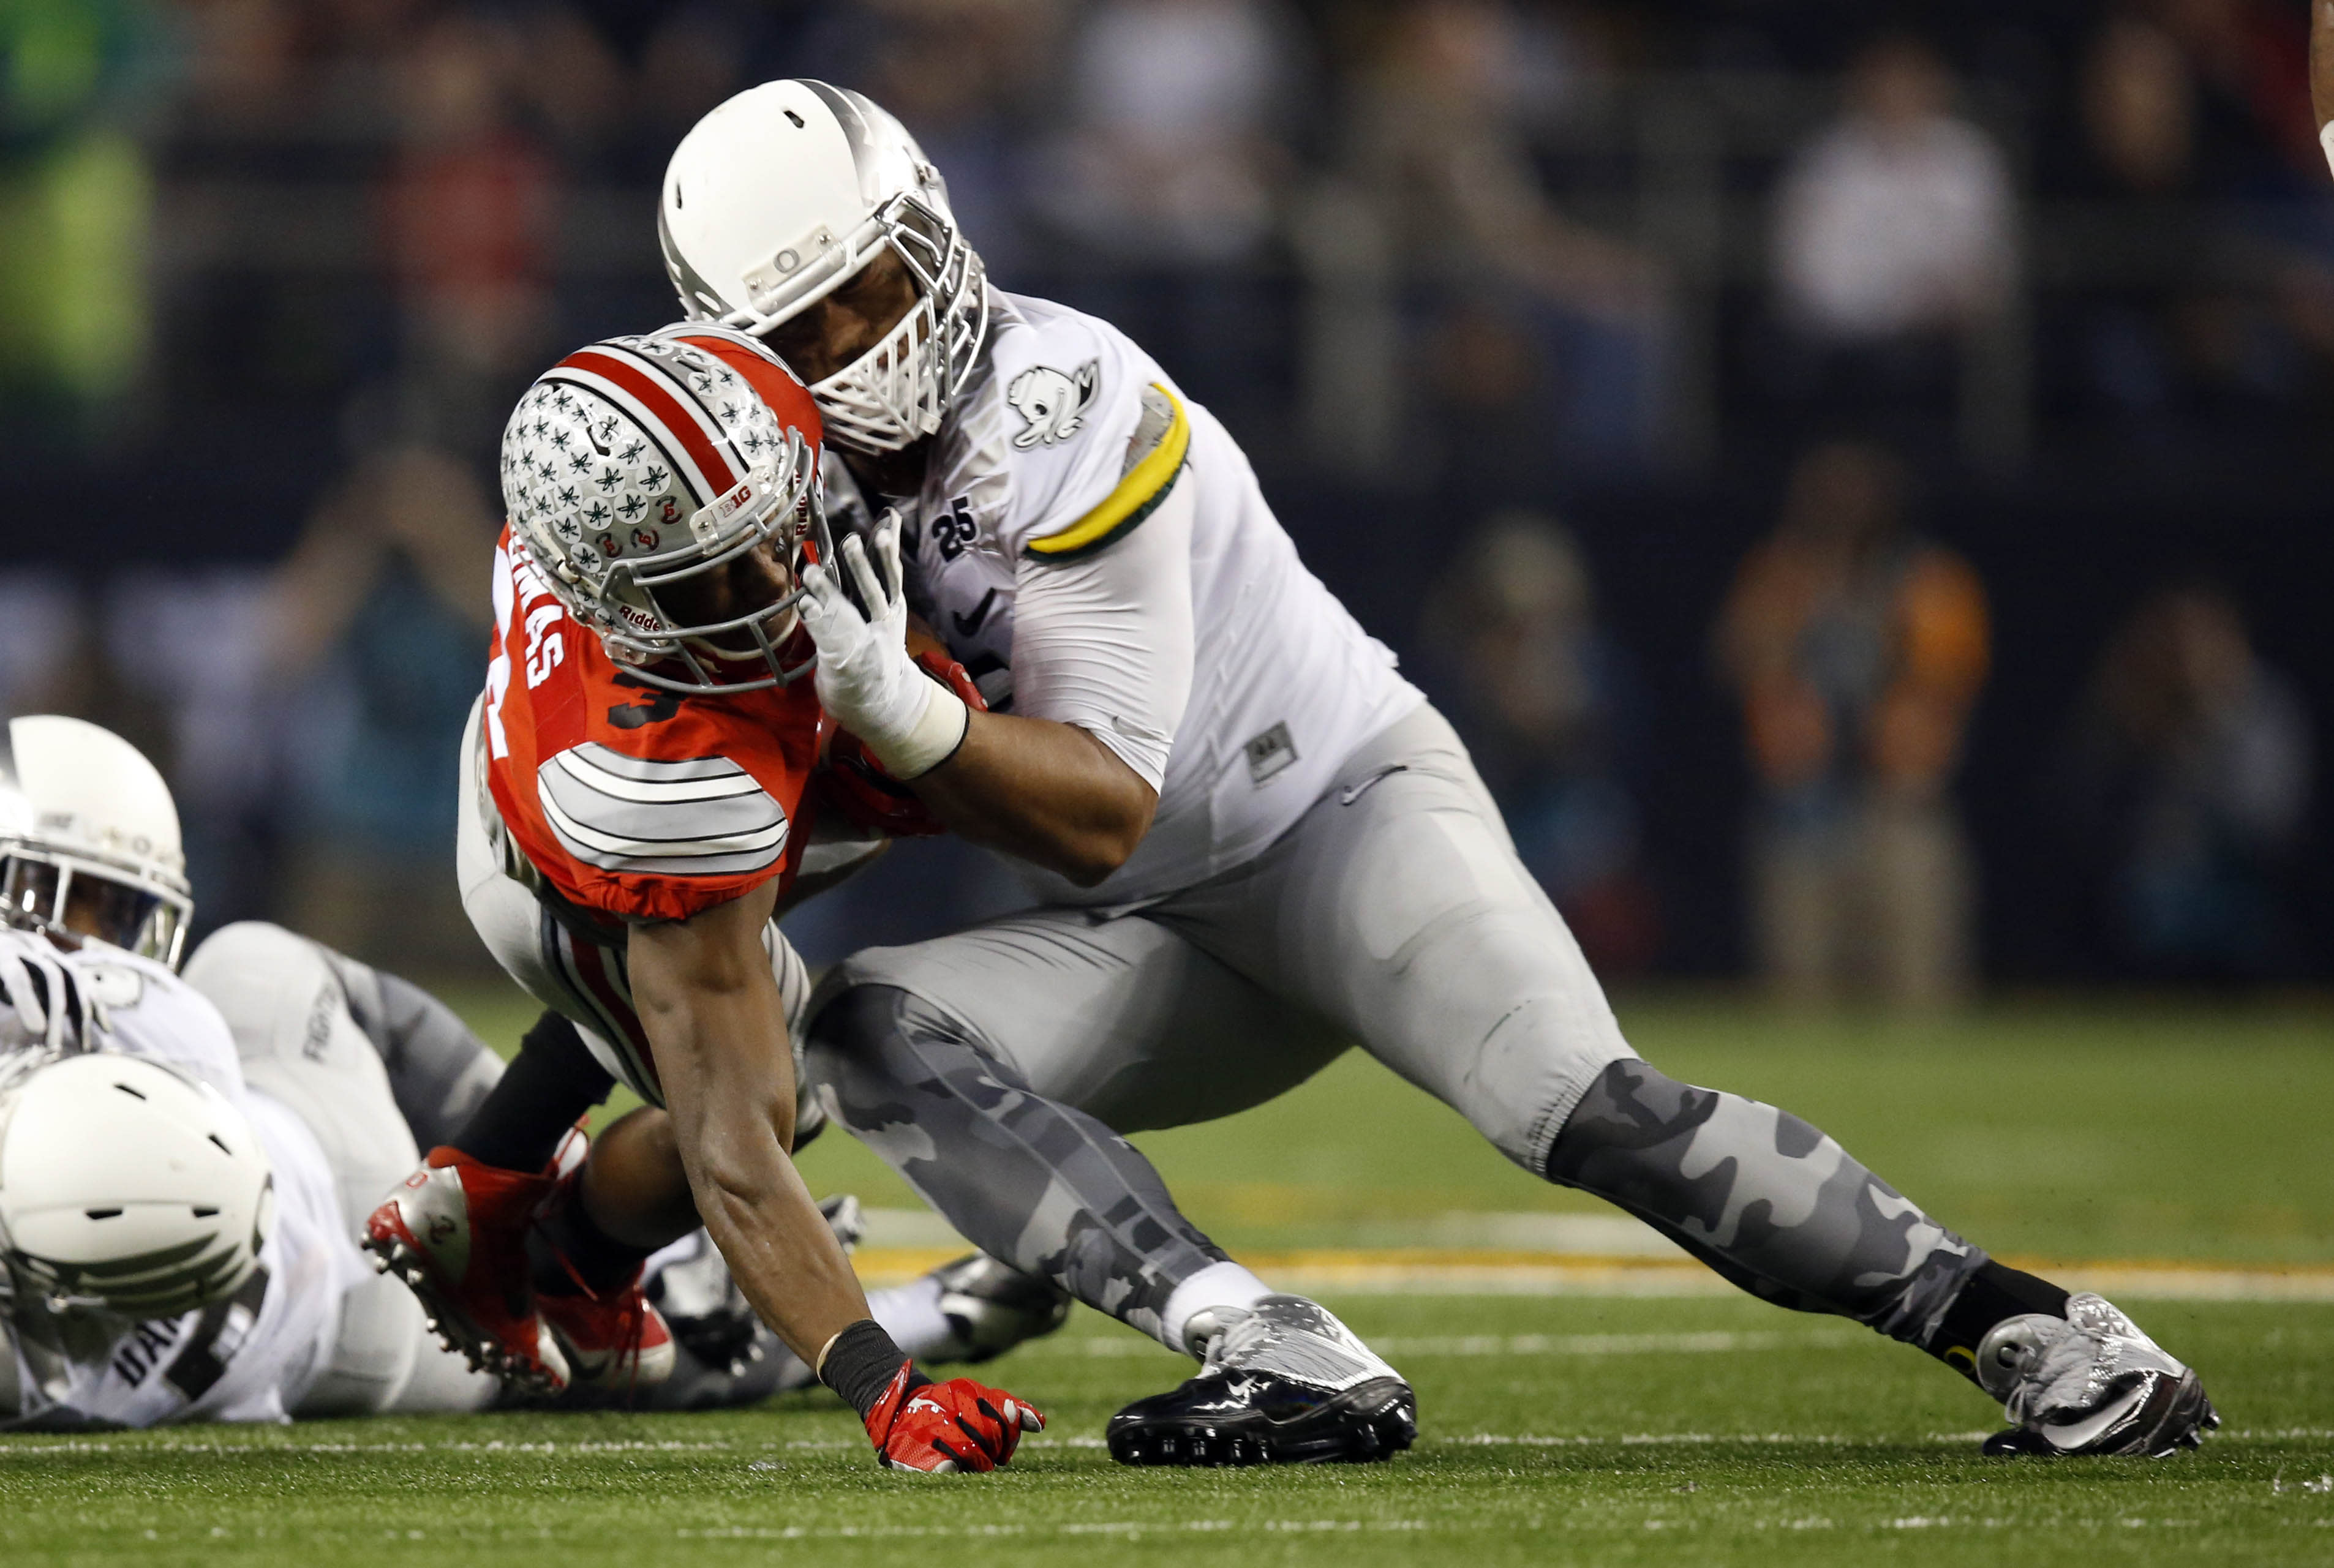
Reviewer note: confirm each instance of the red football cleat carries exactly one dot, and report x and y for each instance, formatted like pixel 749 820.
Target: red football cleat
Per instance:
pixel 454 1231
pixel 614 1339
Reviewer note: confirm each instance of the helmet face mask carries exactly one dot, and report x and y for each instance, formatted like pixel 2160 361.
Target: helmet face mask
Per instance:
pixel 637 466
pixel 783 195
pixel 90 840
pixel 64 892
pixel 899 391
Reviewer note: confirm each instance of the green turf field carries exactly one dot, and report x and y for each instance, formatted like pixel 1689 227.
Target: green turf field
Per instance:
pixel 1566 1428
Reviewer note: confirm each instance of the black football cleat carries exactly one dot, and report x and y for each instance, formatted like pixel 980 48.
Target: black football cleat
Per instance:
pixel 1285 1383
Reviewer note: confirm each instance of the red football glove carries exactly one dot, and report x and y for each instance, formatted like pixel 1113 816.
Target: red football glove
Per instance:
pixel 857 784
pixel 944 1428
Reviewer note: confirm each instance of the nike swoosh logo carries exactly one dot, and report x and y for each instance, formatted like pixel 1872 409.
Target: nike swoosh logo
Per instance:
pixel 965 625
pixel 2074 1435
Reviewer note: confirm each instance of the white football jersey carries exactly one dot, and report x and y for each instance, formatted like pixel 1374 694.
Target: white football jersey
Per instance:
pixel 248 1359
pixel 1038 464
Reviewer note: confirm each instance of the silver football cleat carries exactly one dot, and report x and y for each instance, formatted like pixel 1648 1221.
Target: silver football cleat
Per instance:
pixel 992 1306
pixel 2090 1383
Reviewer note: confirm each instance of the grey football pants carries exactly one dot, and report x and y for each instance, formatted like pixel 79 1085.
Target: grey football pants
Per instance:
pixel 994 1068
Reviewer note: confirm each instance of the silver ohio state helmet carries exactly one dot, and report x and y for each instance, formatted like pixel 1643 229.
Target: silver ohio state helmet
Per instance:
pixel 638 463
pixel 95 847
pixel 128 1187
pixel 780 195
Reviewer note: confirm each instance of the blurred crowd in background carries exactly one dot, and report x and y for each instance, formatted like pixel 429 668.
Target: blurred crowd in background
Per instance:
pixel 1856 475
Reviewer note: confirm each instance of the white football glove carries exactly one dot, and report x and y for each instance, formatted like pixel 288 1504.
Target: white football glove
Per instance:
pixel 865 678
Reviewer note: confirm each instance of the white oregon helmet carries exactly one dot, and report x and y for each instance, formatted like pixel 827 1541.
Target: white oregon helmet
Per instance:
pixel 128 1187
pixel 103 842
pixel 777 198
pixel 636 463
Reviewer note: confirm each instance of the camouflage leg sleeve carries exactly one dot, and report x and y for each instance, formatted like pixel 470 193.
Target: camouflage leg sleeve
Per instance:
pixel 1039 1185
pixel 1765 1199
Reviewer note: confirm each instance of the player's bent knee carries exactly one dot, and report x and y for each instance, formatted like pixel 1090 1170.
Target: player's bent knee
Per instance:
pixel 251 947
pixel 253 971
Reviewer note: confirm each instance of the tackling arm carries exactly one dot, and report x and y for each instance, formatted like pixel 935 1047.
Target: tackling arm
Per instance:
pixel 1103 667
pixel 1049 793
pixel 713 1015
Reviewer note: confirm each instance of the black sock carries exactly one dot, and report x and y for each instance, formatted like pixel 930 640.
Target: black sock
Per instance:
pixel 594 1261
pixel 552 1082
pixel 1993 1293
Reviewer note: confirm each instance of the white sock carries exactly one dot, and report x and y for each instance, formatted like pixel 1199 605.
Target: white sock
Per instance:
pixel 910 1315
pixel 1220 1285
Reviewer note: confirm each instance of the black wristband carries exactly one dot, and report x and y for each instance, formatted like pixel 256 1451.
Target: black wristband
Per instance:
pixel 861 1363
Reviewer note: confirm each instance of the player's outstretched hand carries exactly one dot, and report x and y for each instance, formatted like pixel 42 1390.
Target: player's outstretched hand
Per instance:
pixel 944 1428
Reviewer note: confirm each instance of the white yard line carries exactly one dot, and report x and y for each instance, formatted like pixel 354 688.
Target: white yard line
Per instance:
pixel 1425 1347
pixel 1463 1271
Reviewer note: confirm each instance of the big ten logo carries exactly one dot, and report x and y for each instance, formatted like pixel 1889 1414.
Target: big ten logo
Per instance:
pixel 954 530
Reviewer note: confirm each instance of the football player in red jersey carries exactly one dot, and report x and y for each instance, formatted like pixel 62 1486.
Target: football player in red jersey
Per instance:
pixel 635 804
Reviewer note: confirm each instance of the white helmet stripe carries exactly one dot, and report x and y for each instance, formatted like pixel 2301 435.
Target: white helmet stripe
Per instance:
pixel 714 431
pixel 700 470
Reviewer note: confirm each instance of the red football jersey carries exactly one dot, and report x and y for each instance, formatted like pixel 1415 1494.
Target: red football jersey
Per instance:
pixel 631 800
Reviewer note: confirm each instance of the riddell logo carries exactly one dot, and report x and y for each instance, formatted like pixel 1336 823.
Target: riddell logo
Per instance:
pixel 640 619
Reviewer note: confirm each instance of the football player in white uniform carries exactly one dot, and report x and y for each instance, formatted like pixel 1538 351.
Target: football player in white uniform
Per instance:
pixel 178 1199
pixel 1254 842
pixel 186 1162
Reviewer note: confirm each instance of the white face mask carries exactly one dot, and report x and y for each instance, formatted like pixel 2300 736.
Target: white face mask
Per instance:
pixel 898 391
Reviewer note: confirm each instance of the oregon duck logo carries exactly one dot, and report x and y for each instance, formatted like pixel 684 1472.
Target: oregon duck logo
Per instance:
pixel 1054 404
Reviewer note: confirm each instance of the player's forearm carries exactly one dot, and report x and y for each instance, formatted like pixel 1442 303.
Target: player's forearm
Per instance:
pixel 1049 793
pixel 715 1020
pixel 767 1226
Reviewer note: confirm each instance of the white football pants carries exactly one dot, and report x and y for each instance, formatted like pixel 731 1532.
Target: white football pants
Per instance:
pixel 301 1047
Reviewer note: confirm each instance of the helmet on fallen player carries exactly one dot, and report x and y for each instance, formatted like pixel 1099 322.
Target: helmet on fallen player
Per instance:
pixel 95 848
pixel 128 1187
pixel 639 463
pixel 779 196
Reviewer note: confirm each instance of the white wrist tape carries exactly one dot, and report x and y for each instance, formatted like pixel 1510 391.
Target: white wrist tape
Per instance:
pixel 914 751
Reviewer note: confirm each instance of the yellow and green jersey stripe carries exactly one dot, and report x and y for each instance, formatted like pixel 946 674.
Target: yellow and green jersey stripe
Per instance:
pixel 1138 495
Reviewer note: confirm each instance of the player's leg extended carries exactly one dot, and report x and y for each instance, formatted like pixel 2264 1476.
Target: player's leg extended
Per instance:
pixel 994 1070
pixel 284 1000
pixel 1398 908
